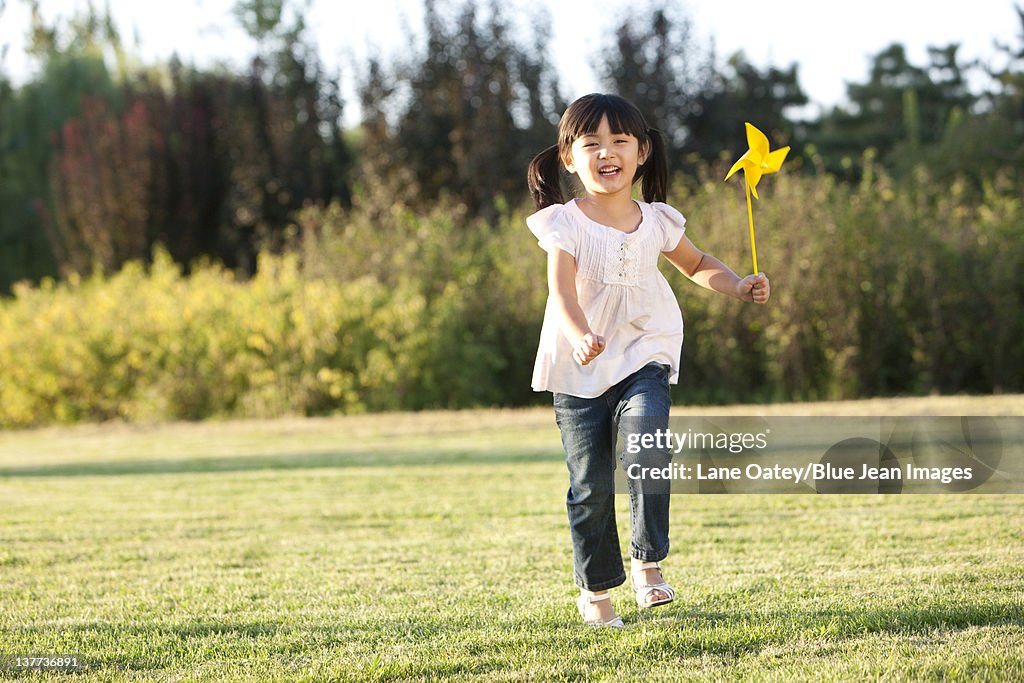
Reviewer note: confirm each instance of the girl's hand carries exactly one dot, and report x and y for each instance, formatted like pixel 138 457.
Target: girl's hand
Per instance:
pixel 588 348
pixel 755 288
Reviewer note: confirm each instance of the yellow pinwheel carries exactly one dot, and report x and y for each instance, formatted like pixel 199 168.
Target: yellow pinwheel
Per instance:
pixel 756 162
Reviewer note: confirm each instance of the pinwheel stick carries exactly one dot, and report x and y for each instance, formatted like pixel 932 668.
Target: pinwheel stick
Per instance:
pixel 750 217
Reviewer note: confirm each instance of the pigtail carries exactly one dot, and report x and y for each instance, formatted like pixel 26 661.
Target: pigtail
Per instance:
pixel 543 178
pixel 655 169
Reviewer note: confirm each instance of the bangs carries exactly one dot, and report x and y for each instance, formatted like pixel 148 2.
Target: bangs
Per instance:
pixel 584 116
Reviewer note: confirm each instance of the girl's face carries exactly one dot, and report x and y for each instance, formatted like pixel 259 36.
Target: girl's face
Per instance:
pixel 606 162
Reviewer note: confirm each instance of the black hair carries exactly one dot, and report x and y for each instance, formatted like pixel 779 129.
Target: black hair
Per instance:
pixel 582 118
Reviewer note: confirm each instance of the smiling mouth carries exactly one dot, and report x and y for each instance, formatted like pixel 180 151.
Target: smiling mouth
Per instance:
pixel 608 170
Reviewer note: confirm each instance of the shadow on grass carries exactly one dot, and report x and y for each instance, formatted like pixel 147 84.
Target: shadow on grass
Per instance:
pixel 704 631
pixel 844 623
pixel 293 461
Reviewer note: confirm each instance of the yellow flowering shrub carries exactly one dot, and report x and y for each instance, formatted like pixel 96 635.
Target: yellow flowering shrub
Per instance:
pixel 878 288
pixel 149 344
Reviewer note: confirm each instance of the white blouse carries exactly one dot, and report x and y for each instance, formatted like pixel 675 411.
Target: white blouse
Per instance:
pixel 624 297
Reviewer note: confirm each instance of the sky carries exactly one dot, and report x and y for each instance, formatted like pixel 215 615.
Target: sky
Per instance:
pixel 832 42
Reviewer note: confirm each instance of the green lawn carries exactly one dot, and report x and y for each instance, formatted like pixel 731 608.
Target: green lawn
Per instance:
pixel 435 546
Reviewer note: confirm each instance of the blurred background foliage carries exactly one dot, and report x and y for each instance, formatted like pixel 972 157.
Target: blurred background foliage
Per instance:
pixel 179 243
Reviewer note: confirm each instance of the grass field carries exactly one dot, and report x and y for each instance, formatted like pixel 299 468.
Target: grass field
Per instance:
pixel 435 546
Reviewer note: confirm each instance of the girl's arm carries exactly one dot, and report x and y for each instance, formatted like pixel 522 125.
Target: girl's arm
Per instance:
pixel 573 323
pixel 710 273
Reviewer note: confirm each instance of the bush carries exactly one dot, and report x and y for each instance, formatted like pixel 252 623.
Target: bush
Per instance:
pixel 152 344
pixel 878 289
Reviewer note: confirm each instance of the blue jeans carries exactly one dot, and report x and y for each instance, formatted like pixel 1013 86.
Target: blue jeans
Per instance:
pixel 589 428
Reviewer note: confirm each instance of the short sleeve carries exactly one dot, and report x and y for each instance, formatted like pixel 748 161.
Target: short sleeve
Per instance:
pixel 673 225
pixel 553 229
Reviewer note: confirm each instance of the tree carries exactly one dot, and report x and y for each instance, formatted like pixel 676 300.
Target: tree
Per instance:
pixel 655 65
pixel 901 111
pixel 215 165
pixel 101 179
pixel 463 118
pixel 71 66
pixel 281 130
pixel 741 93
pixel 990 140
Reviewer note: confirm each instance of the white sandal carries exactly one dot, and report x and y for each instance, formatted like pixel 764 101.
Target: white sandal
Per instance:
pixel 583 600
pixel 644 592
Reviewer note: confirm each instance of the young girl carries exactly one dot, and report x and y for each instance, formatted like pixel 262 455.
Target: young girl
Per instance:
pixel 612 331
